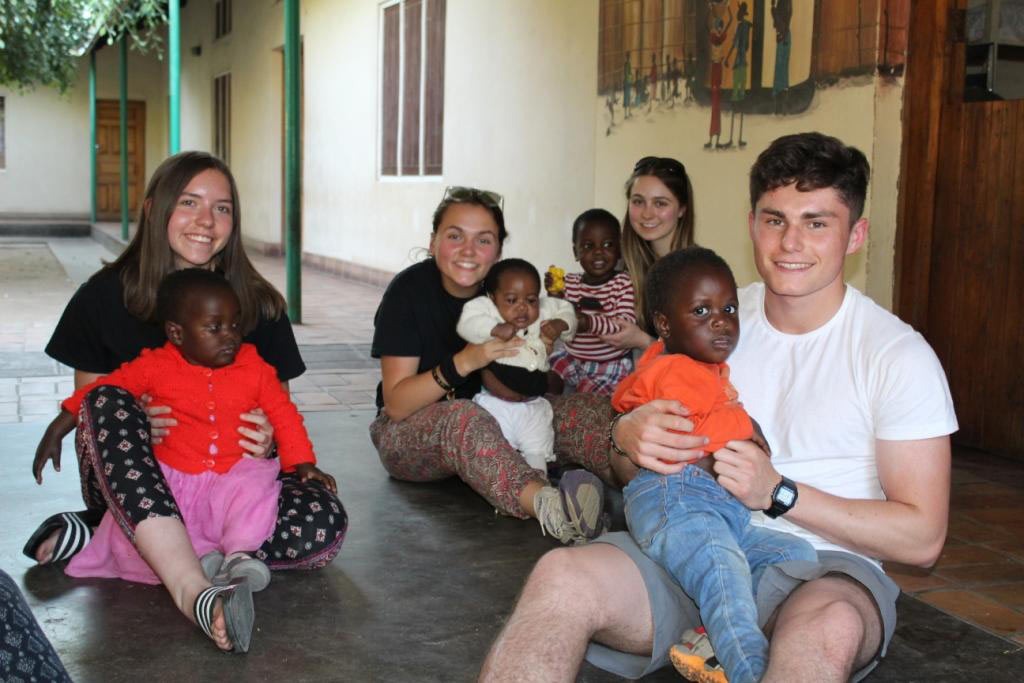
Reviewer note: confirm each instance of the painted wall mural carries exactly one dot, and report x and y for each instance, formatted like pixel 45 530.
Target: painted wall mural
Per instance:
pixel 739 58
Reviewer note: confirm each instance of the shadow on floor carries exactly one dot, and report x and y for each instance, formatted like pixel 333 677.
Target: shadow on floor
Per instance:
pixel 421 587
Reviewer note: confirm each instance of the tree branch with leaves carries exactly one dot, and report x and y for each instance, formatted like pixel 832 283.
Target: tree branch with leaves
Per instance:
pixel 41 40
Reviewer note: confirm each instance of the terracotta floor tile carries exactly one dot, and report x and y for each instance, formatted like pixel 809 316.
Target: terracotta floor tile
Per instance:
pixel 960 554
pixel 970 531
pixel 1012 547
pixel 978 609
pixel 994 515
pixel 983 573
pixel 914 584
pixel 1011 594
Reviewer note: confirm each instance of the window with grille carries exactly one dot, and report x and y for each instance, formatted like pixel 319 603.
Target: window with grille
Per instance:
pixel 411 87
pixel 221 18
pixel 222 117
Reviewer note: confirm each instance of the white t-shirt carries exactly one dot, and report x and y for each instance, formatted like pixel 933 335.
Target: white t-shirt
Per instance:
pixel 824 397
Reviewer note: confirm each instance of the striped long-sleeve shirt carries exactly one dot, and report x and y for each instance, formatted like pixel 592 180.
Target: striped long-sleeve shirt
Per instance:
pixel 615 298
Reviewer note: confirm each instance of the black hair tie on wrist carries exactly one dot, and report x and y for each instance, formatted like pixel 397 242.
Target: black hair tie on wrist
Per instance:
pixel 450 373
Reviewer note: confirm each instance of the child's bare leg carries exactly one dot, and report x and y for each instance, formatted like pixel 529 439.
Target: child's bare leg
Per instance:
pixel 164 544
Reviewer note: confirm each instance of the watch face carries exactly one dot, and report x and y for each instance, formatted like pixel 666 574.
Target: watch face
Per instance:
pixel 786 496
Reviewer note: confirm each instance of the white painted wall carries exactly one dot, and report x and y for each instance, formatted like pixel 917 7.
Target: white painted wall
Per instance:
pixel 47 136
pixel 519 79
pixel 47 140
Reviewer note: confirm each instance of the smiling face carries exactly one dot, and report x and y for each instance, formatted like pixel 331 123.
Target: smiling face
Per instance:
pixel 597 249
pixel 465 246
pixel 202 220
pixel 654 212
pixel 209 333
pixel 801 240
pixel 517 298
pixel 702 320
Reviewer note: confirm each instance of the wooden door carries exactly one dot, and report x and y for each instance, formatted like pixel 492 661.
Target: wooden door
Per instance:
pixel 960 246
pixel 108 158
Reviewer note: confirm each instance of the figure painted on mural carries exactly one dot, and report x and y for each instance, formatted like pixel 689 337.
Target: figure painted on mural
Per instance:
pixel 653 80
pixel 740 45
pixel 782 14
pixel 676 73
pixel 609 102
pixel 666 74
pixel 690 77
pixel 627 83
pixel 719 21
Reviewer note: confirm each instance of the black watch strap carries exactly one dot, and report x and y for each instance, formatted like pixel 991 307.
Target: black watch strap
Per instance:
pixel 784 497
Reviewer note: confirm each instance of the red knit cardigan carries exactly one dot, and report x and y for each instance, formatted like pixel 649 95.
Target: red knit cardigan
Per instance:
pixel 208 404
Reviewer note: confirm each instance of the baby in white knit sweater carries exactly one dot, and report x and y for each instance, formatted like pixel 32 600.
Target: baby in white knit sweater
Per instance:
pixel 514 387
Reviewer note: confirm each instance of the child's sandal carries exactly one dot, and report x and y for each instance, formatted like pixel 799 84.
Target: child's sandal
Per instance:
pixel 239 613
pixel 75 532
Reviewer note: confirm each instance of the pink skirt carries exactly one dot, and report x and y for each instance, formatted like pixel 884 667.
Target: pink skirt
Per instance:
pixel 230 512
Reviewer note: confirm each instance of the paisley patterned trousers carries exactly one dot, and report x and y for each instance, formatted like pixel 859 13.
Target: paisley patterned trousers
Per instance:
pixel 459 438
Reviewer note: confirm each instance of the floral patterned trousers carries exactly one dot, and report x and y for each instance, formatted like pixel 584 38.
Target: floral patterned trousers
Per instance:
pixel 120 473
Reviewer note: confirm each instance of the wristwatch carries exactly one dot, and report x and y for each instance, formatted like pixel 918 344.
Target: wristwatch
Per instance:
pixel 784 497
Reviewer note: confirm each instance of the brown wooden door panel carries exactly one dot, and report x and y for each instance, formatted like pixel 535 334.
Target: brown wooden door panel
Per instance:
pixel 108 157
pixel 961 249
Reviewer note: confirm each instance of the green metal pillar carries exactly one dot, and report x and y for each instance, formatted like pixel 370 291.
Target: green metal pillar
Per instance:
pixel 174 76
pixel 124 138
pixel 292 180
pixel 92 136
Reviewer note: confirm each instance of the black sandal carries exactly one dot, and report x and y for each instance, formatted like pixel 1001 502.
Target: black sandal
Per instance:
pixel 75 532
pixel 239 614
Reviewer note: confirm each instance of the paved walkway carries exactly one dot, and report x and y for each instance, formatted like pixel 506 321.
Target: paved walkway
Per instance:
pixel 39 275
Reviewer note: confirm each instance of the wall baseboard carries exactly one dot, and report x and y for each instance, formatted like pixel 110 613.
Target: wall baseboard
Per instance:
pixel 327 264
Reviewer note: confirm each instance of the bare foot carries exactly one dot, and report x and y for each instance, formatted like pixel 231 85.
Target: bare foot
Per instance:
pixel 45 550
pixel 220 629
pixel 218 626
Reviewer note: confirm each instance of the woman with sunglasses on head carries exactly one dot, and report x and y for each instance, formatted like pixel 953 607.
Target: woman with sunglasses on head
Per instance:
pixel 427 427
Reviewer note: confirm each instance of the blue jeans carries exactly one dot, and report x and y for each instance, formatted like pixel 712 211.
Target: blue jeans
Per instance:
pixel 702 536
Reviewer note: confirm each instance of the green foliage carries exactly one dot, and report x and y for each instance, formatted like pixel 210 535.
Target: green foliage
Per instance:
pixel 41 40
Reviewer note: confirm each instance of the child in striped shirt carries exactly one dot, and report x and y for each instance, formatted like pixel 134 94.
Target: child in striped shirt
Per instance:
pixel 601 295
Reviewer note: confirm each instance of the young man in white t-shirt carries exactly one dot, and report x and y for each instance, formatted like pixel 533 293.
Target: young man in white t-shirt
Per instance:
pixel 858 413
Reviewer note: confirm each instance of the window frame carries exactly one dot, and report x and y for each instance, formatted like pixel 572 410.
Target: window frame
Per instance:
pixel 399 175
pixel 222 148
pixel 222 19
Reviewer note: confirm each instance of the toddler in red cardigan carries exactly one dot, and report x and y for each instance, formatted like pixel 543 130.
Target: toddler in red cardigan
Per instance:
pixel 228 502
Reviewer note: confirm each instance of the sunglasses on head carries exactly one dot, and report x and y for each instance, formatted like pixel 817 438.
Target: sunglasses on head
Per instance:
pixel 458 193
pixel 663 164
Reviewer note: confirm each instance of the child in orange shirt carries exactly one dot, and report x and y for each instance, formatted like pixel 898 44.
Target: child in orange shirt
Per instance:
pixel 686 521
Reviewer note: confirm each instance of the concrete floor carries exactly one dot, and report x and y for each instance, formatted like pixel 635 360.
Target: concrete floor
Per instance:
pixel 427 573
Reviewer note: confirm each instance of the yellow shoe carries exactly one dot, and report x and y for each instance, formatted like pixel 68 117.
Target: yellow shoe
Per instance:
pixel 695 660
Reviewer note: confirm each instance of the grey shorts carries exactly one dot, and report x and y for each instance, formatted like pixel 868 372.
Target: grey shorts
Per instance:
pixel 673 612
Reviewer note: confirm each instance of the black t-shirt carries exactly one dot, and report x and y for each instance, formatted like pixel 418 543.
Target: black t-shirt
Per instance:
pixel 96 333
pixel 417 318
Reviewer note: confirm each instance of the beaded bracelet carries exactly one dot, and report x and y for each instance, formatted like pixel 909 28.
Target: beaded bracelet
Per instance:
pixel 611 435
pixel 449 390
